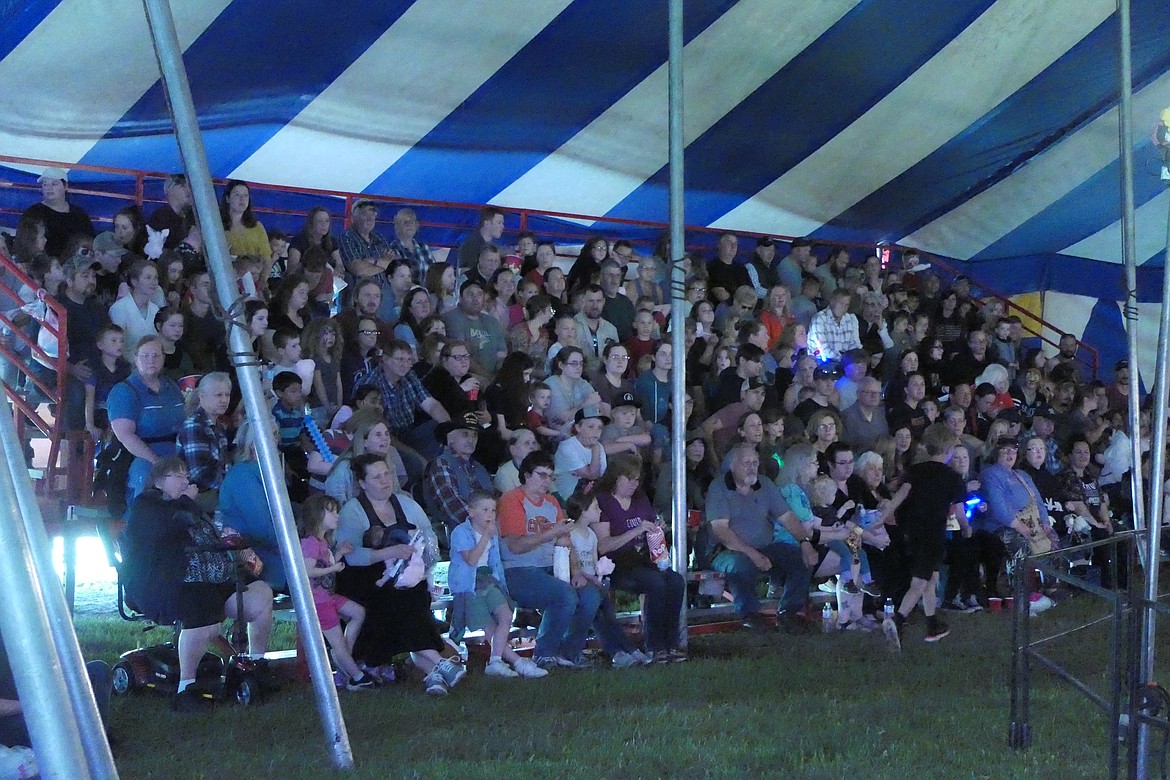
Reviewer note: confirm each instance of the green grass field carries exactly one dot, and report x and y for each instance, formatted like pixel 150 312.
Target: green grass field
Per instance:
pixel 745 706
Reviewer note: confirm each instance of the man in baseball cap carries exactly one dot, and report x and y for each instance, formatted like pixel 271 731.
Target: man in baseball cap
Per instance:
pixel 451 477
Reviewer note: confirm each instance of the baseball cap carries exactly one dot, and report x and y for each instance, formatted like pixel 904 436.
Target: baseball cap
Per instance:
pixel 589 413
pixel 465 423
pixel 79 263
pixel 470 283
pixel 104 242
pixel 626 399
pixel 765 241
pixel 825 372
pixel 54 173
pixel 1120 364
pixel 751 384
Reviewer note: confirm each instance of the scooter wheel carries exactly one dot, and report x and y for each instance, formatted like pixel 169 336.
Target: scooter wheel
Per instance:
pixel 248 690
pixel 122 678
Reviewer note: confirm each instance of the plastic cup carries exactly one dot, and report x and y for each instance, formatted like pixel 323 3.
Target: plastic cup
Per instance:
pixel 473 395
pixel 1009 603
pixel 995 604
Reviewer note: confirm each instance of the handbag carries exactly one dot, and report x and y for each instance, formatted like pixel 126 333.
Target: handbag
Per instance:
pixel 1038 541
pixel 209 562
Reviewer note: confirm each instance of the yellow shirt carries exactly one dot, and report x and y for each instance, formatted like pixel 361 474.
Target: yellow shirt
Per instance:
pixel 249 241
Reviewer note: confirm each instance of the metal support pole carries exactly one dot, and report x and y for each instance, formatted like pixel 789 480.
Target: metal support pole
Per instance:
pixel 1158 447
pixel 678 379
pixel 178 91
pixel 85 711
pixel 28 639
pixel 1129 261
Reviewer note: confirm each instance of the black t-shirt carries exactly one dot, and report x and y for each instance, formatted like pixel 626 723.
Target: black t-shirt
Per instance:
pixel 82 323
pixel 205 341
pixel 902 416
pixel 934 489
pixel 729 277
pixel 60 226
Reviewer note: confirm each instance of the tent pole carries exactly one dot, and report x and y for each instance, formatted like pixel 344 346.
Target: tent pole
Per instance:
pixel 178 92
pixel 28 639
pixel 678 418
pixel 85 711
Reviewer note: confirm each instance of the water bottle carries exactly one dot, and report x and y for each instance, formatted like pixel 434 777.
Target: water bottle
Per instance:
pixel 889 609
pixel 827 618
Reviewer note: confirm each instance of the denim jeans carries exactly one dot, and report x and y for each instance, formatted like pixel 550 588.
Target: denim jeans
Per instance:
pixel 567 613
pixel 609 631
pixel 664 592
pixel 788 569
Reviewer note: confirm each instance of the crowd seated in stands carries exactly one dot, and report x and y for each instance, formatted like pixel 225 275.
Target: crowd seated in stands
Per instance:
pixel 496 374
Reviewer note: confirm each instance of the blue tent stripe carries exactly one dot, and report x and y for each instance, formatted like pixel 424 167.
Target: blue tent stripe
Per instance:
pixel 1032 119
pixel 241 108
pixel 567 75
pixel 18 19
pixel 1105 331
pixel 1088 208
pixel 852 66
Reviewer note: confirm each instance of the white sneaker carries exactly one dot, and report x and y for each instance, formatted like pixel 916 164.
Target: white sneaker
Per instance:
pixel 623 660
pixel 1040 604
pixel 525 667
pixel 643 658
pixel 497 668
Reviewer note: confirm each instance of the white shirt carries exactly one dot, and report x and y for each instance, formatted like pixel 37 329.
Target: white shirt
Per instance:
pixel 571 456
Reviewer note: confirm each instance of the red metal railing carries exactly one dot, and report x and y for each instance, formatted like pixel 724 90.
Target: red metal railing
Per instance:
pixel 346 200
pixel 57 326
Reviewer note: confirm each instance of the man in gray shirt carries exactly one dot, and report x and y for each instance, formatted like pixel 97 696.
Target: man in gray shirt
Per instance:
pixel 742 510
pixel 865 420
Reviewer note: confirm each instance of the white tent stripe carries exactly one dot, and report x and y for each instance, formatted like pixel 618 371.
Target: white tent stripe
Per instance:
pixel 625 145
pixel 407 82
pixel 998 53
pixel 71 91
pixel 1149 234
pixel 982 220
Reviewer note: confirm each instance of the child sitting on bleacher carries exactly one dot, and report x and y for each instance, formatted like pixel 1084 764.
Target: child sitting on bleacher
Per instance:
pixel 111 368
pixel 855 563
pixel 583 511
pixel 318 521
pixel 476 580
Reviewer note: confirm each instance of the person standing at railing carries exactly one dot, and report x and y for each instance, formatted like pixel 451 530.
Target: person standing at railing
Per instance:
pixel 364 252
pixel 488 231
pixel 62 219
pixel 176 214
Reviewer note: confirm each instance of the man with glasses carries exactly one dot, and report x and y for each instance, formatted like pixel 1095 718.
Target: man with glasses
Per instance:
pixel 483 333
pixel 618 308
pixel 532 525
pixel 742 509
pixel 403 397
pixel 966 367
pixel 593 331
pixel 865 420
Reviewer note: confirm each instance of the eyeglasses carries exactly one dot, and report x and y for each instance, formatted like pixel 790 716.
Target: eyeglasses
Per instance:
pixel 464 356
pixel 543 474
pixel 843 462
pixel 368 332
pixel 574 362
pixel 618 357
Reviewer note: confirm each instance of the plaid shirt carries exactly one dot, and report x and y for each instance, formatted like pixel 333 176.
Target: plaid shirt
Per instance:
pixel 354 247
pixel 400 401
pixel 204 446
pixel 829 337
pixel 442 485
pixel 417 254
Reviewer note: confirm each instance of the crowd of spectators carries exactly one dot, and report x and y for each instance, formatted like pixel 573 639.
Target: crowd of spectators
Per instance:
pixel 812 373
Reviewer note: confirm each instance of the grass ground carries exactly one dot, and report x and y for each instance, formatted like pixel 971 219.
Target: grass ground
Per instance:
pixel 745 706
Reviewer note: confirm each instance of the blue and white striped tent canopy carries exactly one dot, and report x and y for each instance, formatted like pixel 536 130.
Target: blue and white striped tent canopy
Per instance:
pixel 979 130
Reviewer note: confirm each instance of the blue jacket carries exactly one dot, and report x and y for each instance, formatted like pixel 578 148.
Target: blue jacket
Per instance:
pixel 1006 493
pixel 243 505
